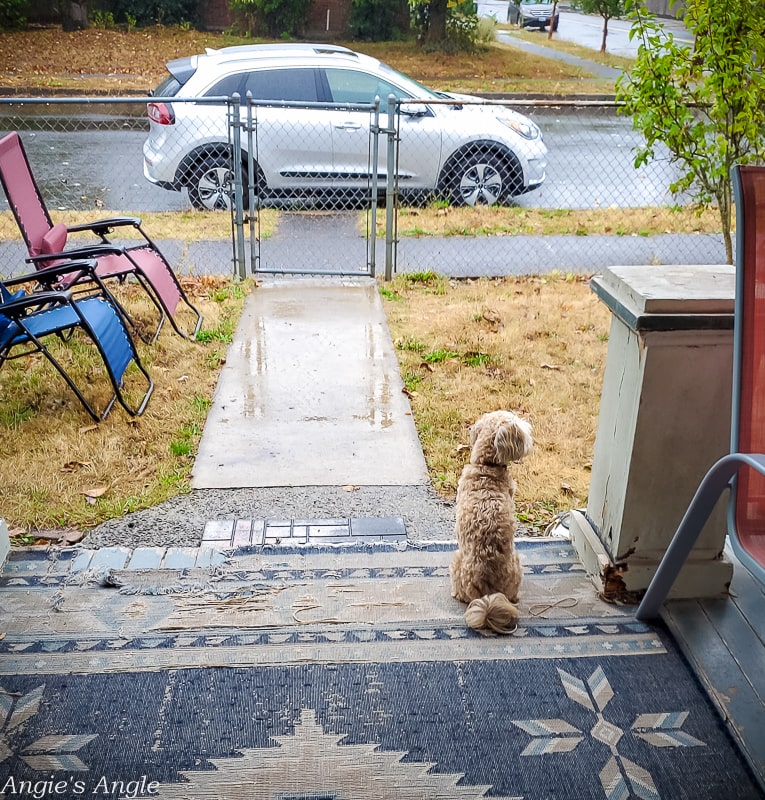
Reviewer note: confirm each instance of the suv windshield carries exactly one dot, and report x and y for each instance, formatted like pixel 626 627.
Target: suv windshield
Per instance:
pixel 407 84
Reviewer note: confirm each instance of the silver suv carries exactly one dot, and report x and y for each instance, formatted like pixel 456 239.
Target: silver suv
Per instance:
pixel 312 141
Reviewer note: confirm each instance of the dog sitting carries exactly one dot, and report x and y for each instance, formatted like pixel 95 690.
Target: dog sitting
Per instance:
pixel 486 570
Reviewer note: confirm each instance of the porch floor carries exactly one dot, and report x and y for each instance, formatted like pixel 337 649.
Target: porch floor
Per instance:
pixel 724 642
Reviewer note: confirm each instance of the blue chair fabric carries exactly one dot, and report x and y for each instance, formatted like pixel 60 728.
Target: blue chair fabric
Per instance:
pixel 27 319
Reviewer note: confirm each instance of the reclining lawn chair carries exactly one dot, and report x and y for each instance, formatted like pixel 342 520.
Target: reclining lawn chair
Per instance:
pixel 27 319
pixel 743 470
pixel 46 242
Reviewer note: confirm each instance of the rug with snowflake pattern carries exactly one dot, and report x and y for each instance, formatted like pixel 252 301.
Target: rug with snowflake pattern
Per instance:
pixel 342 674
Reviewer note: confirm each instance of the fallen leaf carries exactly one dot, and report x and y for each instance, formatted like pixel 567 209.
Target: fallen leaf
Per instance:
pixel 97 491
pixel 71 466
pixel 89 428
pixel 350 488
pixel 566 489
pixel 64 536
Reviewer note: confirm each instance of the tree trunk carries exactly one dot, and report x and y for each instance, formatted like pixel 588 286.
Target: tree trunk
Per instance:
pixel 605 35
pixel 435 36
pixel 552 20
pixel 725 205
pixel 74 15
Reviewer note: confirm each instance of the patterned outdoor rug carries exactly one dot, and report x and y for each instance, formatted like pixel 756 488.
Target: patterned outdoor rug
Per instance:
pixel 341 674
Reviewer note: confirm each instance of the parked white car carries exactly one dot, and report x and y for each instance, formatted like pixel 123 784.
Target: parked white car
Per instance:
pixel 468 154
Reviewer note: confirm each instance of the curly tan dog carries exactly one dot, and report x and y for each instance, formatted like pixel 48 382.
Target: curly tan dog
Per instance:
pixel 486 571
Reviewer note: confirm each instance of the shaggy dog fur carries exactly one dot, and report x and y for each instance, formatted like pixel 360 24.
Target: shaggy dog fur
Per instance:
pixel 486 570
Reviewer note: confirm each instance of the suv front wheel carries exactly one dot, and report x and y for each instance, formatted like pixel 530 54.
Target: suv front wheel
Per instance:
pixel 484 179
pixel 211 185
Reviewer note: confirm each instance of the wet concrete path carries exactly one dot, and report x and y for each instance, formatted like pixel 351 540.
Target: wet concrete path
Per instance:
pixel 310 395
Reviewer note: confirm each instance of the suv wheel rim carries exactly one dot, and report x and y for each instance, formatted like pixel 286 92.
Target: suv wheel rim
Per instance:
pixel 215 188
pixel 481 184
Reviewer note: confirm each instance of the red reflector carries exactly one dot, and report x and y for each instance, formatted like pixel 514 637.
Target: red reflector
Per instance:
pixel 161 113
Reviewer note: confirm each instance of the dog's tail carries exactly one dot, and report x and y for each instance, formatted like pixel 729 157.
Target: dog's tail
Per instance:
pixel 493 612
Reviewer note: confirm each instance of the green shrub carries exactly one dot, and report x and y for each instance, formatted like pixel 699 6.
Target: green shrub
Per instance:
pixel 13 14
pixel 143 13
pixel 279 19
pixel 377 20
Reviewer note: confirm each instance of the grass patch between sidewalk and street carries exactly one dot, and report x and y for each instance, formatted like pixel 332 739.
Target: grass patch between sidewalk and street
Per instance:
pixel 438 219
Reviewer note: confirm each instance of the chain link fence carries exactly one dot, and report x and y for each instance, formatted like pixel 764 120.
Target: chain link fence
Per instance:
pixel 580 206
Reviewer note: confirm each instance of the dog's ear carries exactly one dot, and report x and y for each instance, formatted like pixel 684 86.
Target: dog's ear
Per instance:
pixel 512 440
pixel 476 428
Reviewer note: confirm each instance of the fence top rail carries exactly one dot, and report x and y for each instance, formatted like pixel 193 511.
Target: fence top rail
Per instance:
pixel 83 101
pixel 477 100
pixel 308 104
pixel 484 101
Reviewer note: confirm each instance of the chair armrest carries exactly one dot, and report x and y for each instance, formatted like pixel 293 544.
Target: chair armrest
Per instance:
pixel 17 308
pixel 50 275
pixel 87 251
pixel 102 226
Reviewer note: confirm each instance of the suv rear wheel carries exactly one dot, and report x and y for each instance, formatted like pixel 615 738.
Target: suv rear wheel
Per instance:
pixel 211 185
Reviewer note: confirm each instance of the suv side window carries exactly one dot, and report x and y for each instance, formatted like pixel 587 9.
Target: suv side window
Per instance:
pixel 352 86
pixel 227 86
pixel 293 85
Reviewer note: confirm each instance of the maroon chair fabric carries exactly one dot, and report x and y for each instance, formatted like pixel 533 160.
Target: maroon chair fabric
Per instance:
pixel 47 242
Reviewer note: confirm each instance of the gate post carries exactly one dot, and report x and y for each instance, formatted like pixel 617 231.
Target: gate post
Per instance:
pixel 390 191
pixel 372 237
pixel 237 207
pixel 253 205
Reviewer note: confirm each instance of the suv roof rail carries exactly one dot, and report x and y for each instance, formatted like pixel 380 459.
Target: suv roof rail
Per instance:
pixel 273 49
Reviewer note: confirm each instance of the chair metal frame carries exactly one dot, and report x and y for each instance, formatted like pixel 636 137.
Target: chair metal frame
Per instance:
pixel 27 319
pixel 155 275
pixel 743 469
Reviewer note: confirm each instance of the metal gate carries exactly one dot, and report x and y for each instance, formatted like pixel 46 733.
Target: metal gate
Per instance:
pixel 310 170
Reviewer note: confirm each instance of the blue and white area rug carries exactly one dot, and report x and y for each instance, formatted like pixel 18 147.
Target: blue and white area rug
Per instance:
pixel 342 674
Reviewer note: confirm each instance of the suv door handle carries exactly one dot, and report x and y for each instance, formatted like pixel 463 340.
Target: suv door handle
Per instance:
pixel 349 126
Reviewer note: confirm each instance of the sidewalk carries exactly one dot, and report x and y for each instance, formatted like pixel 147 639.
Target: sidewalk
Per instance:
pixel 310 395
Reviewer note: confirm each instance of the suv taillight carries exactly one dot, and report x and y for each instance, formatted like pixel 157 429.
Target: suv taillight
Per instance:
pixel 161 113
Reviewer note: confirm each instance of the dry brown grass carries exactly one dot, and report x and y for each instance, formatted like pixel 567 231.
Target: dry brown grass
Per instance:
pixel 536 346
pixel 437 220
pixel 99 61
pixel 188 226
pixel 54 455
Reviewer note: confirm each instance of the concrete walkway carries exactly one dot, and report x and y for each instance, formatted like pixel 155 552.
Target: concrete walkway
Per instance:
pixel 310 395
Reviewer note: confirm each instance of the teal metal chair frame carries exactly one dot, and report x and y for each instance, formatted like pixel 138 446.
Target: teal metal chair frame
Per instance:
pixel 743 469
pixel 27 319
pixel 46 242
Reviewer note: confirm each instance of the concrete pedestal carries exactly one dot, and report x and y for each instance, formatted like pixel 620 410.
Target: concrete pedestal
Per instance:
pixel 664 419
